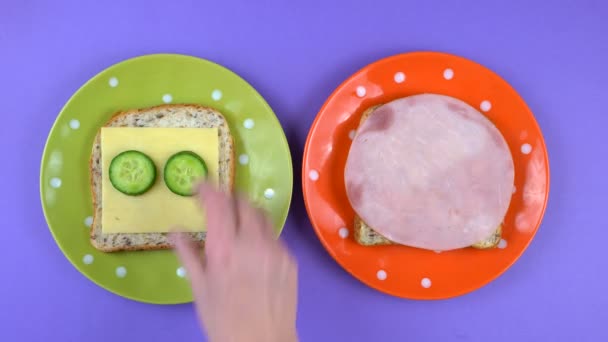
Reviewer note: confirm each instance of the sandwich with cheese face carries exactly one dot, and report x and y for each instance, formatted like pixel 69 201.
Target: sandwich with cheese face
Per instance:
pixel 143 165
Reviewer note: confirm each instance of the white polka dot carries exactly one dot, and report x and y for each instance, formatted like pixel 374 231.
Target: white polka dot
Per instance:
pixel 50 197
pixel 485 106
pixel 352 134
pixel 526 148
pixel 55 182
pixel 522 223
pixel 399 77
pixel 381 274
pixel 65 130
pixel 269 193
pixel 121 272
pixel 502 244
pixel 425 282
pixel 248 123
pixel 514 189
pixel 448 74
pixel 56 161
pixel 88 259
pixel 216 95
pixel 244 159
pixel 74 124
pixel 113 82
pixel 343 232
pixel 438 252
pixel 167 98
pixel 181 272
pixel 88 221
pixel 361 91
pixel 313 175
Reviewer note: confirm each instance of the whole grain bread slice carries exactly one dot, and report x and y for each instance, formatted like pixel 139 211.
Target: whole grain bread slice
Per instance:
pixel 170 116
pixel 367 236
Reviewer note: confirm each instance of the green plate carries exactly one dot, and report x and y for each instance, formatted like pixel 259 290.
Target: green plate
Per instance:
pixel 263 166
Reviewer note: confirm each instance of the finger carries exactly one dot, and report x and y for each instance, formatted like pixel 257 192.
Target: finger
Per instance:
pixel 188 252
pixel 252 221
pixel 220 213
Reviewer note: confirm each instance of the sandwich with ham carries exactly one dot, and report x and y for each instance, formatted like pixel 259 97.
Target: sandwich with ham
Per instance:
pixel 428 171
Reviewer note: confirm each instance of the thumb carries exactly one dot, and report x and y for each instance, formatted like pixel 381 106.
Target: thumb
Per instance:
pixel 189 253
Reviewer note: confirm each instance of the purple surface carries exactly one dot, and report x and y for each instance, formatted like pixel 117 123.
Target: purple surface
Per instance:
pixel 554 54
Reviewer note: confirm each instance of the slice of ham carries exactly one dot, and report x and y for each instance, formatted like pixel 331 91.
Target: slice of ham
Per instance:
pixel 430 171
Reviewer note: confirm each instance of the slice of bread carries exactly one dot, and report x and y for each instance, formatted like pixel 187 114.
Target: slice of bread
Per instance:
pixel 170 116
pixel 367 236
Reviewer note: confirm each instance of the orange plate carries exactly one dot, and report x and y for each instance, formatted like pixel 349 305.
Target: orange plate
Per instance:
pixel 404 271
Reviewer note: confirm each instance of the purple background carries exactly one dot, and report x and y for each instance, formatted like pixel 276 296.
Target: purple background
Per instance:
pixel 555 53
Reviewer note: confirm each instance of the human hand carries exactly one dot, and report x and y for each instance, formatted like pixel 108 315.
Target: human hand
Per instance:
pixel 245 285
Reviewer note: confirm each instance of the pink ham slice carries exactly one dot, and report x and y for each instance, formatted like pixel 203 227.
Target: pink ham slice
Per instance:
pixel 430 171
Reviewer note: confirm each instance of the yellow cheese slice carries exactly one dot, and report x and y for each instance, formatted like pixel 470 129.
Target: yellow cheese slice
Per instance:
pixel 159 209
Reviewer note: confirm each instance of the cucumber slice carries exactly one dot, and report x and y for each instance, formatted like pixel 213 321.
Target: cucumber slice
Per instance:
pixel 132 173
pixel 182 171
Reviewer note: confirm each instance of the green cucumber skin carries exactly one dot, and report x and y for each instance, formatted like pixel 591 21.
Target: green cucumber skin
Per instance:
pixel 116 183
pixel 166 174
